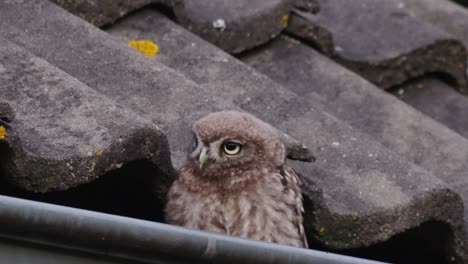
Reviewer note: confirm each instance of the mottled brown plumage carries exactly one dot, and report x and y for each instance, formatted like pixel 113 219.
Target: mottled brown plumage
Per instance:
pixel 237 182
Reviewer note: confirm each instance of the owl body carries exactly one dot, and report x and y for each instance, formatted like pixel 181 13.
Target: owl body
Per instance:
pixel 237 182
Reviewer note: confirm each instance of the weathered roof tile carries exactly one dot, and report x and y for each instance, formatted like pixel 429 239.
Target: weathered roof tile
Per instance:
pixel 438 100
pixel 101 13
pixel 365 107
pixel 444 14
pixel 133 81
pixel 65 133
pixel 239 25
pixel 380 42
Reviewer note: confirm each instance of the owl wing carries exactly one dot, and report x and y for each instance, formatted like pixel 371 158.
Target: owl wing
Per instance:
pixel 293 182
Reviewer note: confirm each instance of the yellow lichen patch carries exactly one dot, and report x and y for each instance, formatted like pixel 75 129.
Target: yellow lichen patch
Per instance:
pixel 419 85
pixel 322 230
pixel 2 133
pixel 147 47
pixel 98 153
pixel 285 21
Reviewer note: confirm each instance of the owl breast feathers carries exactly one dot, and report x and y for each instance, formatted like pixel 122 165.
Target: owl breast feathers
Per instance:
pixel 236 182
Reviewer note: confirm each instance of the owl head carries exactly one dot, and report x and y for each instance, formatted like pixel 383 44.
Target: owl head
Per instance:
pixel 231 142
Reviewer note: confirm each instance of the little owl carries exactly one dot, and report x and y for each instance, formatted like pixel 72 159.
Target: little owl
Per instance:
pixel 237 182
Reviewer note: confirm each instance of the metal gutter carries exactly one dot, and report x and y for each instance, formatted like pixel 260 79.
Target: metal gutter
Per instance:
pixel 58 232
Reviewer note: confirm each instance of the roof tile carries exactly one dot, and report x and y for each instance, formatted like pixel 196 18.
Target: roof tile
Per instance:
pixel 362 105
pixel 381 42
pixel 61 123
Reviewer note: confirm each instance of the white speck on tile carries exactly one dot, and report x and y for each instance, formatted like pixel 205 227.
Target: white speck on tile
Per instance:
pixel 338 49
pixel 219 24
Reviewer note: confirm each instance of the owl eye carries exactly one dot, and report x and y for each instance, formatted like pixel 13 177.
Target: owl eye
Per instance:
pixel 232 148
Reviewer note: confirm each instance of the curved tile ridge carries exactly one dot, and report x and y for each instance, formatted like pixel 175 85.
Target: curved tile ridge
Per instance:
pixel 235 26
pixel 393 48
pixel 65 133
pixel 351 230
pixel 100 13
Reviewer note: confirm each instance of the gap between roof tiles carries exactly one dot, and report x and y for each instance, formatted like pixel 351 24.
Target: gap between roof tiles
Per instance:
pixel 430 51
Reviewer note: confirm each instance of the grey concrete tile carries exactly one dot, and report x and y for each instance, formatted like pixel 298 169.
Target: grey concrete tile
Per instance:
pixel 380 41
pixel 112 68
pixel 438 100
pixel 65 133
pixel 239 25
pixel 234 26
pixel 401 128
pixel 447 15
pixel 100 13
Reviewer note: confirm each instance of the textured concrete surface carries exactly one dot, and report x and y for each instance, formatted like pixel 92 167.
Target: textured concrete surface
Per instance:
pixel 132 80
pixel 447 15
pixel 101 13
pixel 238 25
pixel 234 26
pixel 429 94
pixel 398 126
pixel 358 191
pixel 66 134
pixel 438 100
pixel 380 42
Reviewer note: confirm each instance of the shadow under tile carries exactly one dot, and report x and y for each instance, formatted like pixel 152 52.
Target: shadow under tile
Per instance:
pixel 428 243
pixel 135 190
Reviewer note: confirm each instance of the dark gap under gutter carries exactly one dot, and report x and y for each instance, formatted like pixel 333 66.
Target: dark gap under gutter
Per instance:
pixel 76 232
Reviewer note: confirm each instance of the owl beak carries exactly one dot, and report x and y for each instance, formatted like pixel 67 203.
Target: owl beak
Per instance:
pixel 203 157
